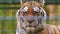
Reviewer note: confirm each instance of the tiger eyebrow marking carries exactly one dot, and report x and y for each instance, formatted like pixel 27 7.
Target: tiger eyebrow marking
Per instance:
pixel 25 9
pixel 36 8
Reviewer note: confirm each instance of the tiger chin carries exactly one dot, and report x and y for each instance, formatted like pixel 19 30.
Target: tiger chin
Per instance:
pixel 31 19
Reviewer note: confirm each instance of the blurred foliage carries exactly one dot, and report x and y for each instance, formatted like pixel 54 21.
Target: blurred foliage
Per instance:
pixel 18 1
pixel 59 13
pixel 8 19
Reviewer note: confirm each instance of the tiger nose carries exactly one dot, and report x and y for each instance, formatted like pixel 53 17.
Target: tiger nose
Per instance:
pixel 30 21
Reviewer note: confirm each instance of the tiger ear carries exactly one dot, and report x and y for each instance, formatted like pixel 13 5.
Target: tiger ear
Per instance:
pixel 22 2
pixel 41 2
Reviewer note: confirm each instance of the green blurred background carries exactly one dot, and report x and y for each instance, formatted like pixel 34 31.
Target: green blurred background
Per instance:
pixel 8 9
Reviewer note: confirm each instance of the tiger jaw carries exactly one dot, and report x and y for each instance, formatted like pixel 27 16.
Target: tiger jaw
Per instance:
pixel 33 26
pixel 39 27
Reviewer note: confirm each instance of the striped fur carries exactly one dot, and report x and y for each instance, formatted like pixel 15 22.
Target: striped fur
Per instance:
pixel 42 28
pixel 50 29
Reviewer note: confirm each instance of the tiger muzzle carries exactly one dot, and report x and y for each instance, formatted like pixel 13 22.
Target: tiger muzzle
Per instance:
pixel 31 20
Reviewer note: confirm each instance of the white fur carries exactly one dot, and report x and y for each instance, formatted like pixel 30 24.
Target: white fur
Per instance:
pixel 25 9
pixel 36 9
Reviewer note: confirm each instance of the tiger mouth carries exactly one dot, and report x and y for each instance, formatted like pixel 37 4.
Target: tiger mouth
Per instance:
pixel 33 25
pixel 30 28
pixel 33 28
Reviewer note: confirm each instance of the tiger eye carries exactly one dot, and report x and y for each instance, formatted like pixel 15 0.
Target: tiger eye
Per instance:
pixel 36 13
pixel 41 13
pixel 24 13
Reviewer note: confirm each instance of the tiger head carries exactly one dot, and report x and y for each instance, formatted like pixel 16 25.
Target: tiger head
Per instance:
pixel 31 16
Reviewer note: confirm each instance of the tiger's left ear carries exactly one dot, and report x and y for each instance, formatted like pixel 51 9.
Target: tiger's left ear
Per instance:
pixel 41 2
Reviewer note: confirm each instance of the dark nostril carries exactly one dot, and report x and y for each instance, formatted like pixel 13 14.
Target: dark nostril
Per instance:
pixel 30 21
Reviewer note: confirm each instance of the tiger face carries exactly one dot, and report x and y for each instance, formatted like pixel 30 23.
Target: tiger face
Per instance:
pixel 31 17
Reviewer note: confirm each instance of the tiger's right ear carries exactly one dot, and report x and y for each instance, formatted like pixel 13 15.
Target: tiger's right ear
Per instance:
pixel 22 2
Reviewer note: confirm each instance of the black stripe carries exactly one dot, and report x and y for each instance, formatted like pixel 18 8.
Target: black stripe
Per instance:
pixel 54 30
pixel 47 28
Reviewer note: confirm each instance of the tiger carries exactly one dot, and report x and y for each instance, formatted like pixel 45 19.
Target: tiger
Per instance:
pixel 31 19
